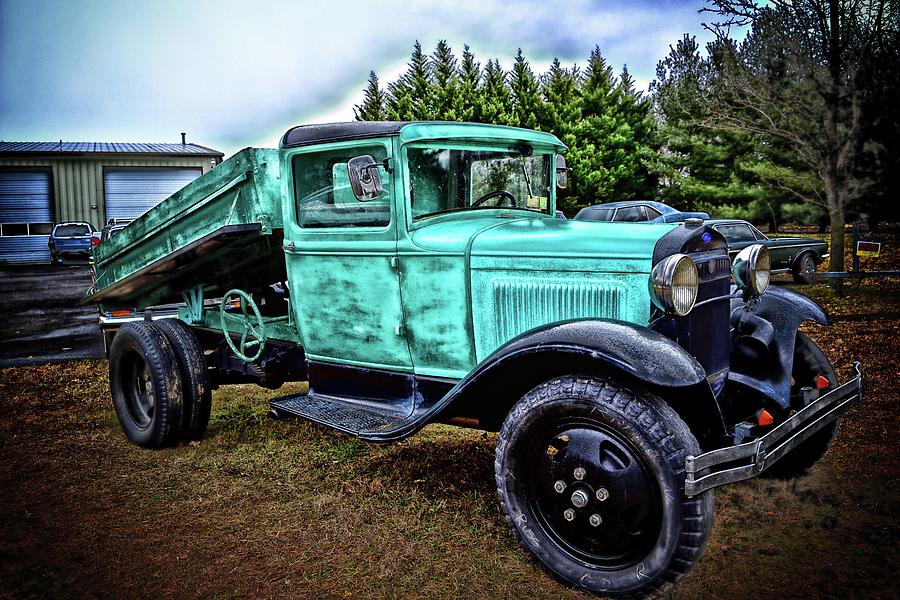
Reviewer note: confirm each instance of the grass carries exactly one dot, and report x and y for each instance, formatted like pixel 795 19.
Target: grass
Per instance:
pixel 289 509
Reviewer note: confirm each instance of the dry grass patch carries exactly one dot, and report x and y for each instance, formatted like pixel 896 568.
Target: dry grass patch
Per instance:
pixel 289 509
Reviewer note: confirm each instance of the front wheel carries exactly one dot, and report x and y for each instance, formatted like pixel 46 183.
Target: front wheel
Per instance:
pixel 591 476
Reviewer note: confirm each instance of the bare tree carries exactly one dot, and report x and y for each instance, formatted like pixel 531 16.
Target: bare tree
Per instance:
pixel 806 75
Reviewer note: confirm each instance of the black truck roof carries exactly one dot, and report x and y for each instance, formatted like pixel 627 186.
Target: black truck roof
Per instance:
pixel 304 135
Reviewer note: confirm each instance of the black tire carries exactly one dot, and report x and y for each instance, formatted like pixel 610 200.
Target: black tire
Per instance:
pixel 194 377
pixel 649 533
pixel 809 363
pixel 804 270
pixel 145 384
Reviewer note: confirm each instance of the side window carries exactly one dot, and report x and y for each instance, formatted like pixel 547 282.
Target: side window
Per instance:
pixel 324 196
pixel 631 214
pixel 737 233
pixel 652 213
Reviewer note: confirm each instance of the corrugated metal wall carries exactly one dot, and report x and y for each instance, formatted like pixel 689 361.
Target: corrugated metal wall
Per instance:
pixel 132 192
pixel 78 182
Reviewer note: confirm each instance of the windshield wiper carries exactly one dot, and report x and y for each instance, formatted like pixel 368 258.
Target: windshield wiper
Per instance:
pixel 527 179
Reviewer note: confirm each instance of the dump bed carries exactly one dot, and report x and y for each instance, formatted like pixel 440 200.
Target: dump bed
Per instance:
pixel 223 230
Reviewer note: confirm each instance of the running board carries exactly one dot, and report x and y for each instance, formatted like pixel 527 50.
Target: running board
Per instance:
pixel 370 421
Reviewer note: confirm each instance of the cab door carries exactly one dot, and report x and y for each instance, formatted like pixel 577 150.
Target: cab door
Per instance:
pixel 341 257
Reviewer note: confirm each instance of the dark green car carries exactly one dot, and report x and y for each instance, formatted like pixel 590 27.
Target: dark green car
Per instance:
pixel 800 256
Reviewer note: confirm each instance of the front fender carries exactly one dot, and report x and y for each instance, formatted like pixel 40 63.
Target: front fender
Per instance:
pixel 637 351
pixel 785 311
pixel 618 349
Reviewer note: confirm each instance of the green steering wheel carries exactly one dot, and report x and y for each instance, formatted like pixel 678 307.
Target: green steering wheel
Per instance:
pixel 252 327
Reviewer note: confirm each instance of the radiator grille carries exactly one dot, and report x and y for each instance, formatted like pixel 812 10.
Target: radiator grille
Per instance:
pixel 525 304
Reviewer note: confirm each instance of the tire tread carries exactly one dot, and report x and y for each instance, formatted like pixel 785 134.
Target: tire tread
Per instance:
pixel 670 432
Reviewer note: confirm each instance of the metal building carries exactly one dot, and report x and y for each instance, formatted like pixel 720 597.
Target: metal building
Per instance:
pixel 42 183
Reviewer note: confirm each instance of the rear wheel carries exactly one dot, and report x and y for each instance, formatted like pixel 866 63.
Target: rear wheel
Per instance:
pixel 591 478
pixel 804 270
pixel 809 364
pixel 194 377
pixel 145 384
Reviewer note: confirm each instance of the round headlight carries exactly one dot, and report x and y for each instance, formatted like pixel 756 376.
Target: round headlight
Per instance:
pixel 752 269
pixel 673 284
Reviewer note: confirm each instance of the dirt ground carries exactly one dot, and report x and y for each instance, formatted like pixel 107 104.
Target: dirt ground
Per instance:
pixel 287 509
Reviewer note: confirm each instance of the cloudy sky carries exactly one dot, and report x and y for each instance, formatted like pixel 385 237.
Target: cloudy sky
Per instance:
pixel 233 74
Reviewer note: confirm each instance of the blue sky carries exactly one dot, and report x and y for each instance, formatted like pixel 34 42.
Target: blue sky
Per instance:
pixel 233 74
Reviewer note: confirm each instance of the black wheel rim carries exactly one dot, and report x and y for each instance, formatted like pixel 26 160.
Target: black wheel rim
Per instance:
pixel 137 387
pixel 611 516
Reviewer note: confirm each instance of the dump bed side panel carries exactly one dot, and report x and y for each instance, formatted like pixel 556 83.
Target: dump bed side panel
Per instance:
pixel 222 230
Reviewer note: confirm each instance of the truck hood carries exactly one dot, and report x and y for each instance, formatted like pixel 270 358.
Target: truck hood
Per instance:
pixel 524 272
pixel 570 240
pixel 547 244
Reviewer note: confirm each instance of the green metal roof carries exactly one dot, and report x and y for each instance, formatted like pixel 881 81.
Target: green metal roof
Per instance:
pixel 61 147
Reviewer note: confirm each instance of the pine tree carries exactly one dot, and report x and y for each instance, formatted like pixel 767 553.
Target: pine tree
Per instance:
pixel 526 98
pixel 561 109
pixel 373 104
pixel 408 97
pixel 445 83
pixel 466 104
pixel 637 141
pixel 495 102
pixel 592 157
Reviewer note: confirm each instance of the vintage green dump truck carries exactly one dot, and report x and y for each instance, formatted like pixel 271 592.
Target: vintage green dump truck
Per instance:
pixel 415 273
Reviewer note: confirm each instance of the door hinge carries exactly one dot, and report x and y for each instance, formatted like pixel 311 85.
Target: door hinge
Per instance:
pixel 395 262
pixel 386 163
pixel 400 330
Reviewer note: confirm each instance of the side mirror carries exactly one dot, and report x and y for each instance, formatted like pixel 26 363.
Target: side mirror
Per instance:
pixel 562 172
pixel 365 180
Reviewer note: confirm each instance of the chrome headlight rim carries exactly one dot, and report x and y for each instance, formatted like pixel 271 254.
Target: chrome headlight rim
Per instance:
pixel 752 269
pixel 674 284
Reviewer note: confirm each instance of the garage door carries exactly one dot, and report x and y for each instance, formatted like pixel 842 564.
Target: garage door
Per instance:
pixel 132 192
pixel 26 216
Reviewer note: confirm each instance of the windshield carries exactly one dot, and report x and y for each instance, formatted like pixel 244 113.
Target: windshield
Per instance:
pixel 72 230
pixel 447 179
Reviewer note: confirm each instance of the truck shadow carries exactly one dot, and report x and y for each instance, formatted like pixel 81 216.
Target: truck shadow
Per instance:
pixel 443 466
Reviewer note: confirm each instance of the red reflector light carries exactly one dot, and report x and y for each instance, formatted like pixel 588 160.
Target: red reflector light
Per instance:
pixel 95 241
pixel 822 382
pixel 764 418
pixel 121 313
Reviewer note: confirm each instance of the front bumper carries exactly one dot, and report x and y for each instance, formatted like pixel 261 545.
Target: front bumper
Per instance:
pixel 736 463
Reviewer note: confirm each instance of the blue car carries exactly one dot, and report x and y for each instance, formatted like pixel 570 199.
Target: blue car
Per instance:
pixel 636 211
pixel 70 241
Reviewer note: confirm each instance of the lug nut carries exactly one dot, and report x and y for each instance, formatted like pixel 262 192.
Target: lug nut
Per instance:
pixel 580 499
pixel 580 473
pixel 595 520
pixel 560 486
pixel 569 514
pixel 602 494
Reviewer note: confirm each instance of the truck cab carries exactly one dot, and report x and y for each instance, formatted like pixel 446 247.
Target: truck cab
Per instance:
pixel 415 273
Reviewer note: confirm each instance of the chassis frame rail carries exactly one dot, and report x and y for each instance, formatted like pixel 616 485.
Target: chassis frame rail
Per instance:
pixel 744 461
